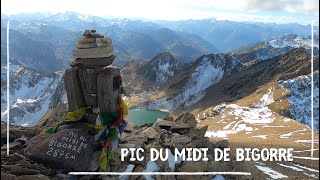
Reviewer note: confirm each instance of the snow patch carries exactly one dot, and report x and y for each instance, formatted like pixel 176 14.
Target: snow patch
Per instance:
pixel 130 168
pixel 260 136
pixel 172 162
pixel 270 172
pixel 291 133
pixel 151 167
pixel 218 177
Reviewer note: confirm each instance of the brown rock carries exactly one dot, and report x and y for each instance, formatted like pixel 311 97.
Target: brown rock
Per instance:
pixel 25 164
pixel 199 166
pixel 177 127
pixel 222 144
pixel 87 40
pixel 17 170
pixel 180 141
pixel 17 132
pixel 194 133
pixel 8 177
pixel 129 127
pixel 168 118
pixel 138 168
pixel 87 45
pixel 94 164
pixel 15 145
pixel 149 133
pixel 98 52
pixel 187 118
pixel 137 139
pixel 34 177
pixel 17 157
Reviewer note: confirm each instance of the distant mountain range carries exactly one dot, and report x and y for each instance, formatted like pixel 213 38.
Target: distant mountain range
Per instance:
pixel 133 39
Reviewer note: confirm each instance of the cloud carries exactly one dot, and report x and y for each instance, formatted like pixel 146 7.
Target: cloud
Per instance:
pixel 294 6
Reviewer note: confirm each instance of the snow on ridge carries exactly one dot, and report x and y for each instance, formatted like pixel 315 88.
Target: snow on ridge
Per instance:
pixel 209 71
pixel 291 41
pixel 30 95
pixel 266 99
pixel 300 98
pixel 260 114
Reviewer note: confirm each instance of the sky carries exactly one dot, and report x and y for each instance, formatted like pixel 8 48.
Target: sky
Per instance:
pixel 278 11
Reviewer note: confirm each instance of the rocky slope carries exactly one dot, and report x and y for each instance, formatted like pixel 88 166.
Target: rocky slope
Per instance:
pixel 184 83
pixel 32 94
pixel 243 83
pixel 300 98
pixel 262 119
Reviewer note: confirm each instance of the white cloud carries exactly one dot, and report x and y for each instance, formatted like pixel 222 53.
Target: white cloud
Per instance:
pixel 295 6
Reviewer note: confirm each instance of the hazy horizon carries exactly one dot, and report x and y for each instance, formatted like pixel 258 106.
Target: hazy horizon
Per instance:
pixel 272 11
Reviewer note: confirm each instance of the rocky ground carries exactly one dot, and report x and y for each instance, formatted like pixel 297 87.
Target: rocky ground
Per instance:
pixel 261 120
pixel 28 151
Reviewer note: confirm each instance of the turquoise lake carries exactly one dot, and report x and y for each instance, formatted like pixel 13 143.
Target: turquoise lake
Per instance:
pixel 140 116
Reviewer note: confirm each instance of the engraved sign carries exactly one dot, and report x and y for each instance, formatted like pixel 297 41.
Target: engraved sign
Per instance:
pixel 67 147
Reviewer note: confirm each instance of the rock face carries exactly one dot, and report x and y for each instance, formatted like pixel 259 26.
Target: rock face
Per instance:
pixel 69 149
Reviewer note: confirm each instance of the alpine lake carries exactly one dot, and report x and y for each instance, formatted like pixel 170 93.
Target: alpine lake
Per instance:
pixel 140 117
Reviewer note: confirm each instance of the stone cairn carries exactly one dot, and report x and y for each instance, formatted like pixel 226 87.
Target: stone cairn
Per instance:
pixel 91 82
pixel 88 137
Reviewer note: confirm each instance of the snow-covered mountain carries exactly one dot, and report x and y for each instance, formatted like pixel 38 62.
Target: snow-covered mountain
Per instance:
pixel 159 70
pixel 190 79
pixel 277 46
pixel 31 94
pixel 300 98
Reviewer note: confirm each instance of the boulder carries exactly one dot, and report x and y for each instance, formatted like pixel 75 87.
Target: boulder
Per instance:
pixel 93 62
pixel 138 139
pixel 222 144
pixel 177 127
pixel 8 176
pixel 149 133
pixel 187 118
pixel 34 177
pixel 129 127
pixel 195 166
pixel 17 157
pixel 69 149
pixel 15 145
pixel 17 170
pixel 137 168
pixel 168 118
pixel 180 141
pixel 17 132
pixel 25 164
pixel 94 164
pixel 194 133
